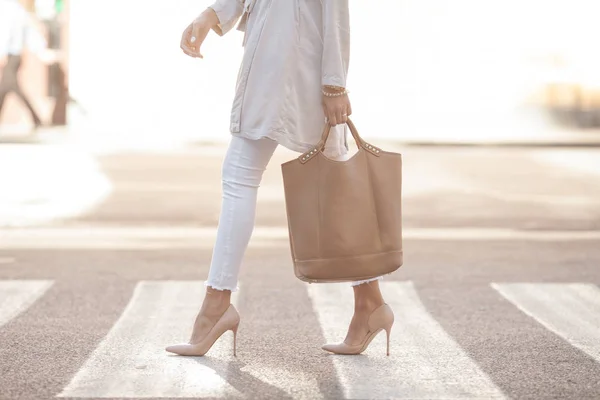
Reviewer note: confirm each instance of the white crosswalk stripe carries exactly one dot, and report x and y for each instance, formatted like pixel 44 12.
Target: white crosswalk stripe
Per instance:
pixel 17 296
pixel 425 362
pixel 572 311
pixel 131 360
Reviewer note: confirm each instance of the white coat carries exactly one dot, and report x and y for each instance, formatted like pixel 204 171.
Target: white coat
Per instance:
pixel 291 49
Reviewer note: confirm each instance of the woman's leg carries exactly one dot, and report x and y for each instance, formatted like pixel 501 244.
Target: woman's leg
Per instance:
pixel 367 298
pixel 242 171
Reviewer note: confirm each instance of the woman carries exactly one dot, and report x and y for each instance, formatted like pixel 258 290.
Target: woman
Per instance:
pixel 292 79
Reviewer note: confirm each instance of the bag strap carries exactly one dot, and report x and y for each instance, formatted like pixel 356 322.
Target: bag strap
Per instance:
pixel 319 147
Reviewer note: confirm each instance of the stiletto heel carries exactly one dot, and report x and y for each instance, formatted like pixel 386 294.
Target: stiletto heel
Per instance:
pixel 388 331
pixel 382 318
pixel 229 321
pixel 234 330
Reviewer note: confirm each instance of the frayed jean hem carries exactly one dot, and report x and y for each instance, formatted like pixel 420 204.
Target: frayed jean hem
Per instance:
pixel 356 283
pixel 218 287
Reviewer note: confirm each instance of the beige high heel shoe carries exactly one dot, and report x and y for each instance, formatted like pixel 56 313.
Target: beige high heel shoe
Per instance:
pixel 382 318
pixel 229 321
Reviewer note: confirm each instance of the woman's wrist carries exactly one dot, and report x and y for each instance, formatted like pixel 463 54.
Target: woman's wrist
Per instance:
pixel 209 16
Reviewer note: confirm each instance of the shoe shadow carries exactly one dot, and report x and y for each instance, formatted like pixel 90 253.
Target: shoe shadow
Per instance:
pixel 249 385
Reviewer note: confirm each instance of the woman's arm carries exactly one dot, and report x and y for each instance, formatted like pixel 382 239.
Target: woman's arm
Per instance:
pixel 228 12
pixel 335 59
pixel 336 42
pixel 220 17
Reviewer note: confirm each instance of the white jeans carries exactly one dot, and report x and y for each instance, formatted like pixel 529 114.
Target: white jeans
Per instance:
pixel 242 171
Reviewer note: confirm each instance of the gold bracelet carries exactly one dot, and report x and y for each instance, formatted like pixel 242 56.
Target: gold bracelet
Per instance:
pixel 338 94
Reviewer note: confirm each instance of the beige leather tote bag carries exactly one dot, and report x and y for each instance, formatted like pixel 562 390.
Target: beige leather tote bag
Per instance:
pixel 344 217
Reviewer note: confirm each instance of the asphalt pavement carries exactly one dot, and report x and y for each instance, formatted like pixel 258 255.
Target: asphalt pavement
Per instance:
pixel 499 296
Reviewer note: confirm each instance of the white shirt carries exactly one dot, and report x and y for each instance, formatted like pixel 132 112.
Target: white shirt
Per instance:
pixel 17 30
pixel 291 49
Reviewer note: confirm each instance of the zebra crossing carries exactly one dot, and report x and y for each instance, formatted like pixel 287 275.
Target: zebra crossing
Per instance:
pixel 429 363
pixel 158 314
pixel 426 361
pixel 572 311
pixel 16 296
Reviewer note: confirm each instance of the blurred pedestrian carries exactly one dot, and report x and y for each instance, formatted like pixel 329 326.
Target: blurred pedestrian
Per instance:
pixel 17 32
pixel 291 81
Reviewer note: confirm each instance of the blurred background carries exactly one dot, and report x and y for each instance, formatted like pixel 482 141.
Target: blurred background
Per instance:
pixel 449 68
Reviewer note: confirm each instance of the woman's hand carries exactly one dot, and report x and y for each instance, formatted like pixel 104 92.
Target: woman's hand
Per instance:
pixel 193 36
pixel 337 109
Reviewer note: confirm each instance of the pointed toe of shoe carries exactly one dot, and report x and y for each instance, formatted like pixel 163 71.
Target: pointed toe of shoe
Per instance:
pixel 341 348
pixel 327 347
pixel 172 348
pixel 180 349
pixel 335 348
pixel 186 349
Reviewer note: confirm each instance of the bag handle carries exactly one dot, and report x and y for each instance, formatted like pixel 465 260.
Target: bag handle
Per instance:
pixel 319 147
